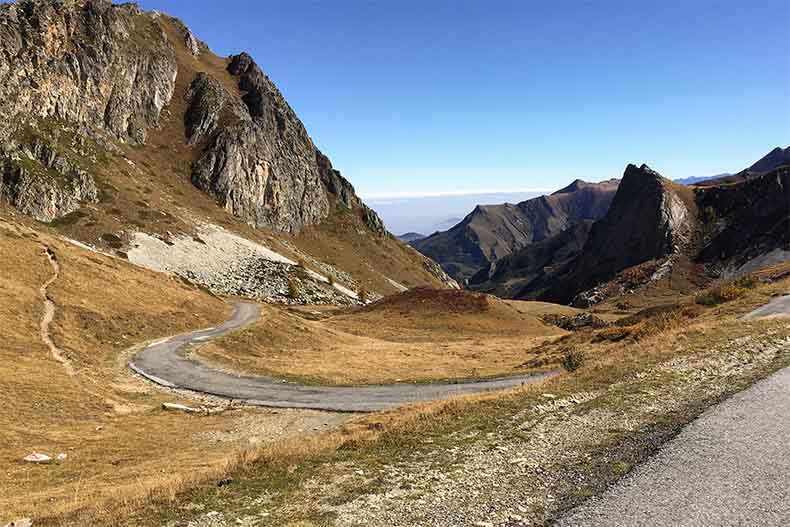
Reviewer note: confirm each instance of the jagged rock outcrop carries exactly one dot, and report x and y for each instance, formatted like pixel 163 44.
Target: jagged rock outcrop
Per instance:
pixel 656 232
pixel 491 232
pixel 744 221
pixel 45 196
pixel 40 182
pixel 131 102
pixel 344 193
pixel 75 62
pixel 208 103
pixel 83 62
pixel 264 167
pixel 110 71
pixel 650 217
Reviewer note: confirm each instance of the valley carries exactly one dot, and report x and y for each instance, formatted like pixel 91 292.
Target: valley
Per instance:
pixel 202 324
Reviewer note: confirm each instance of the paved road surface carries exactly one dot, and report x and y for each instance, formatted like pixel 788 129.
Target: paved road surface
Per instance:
pixel 778 307
pixel 165 362
pixel 729 467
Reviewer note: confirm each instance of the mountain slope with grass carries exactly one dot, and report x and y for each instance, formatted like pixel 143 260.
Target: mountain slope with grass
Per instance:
pixel 491 232
pixel 119 122
pixel 658 235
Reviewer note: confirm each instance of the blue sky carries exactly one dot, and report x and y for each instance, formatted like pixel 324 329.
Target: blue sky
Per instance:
pixel 415 97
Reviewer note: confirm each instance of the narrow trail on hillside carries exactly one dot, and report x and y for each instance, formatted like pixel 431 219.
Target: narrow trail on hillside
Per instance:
pixel 49 313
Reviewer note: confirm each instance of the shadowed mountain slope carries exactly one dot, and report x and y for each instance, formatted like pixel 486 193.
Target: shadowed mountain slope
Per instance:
pixel 655 232
pixel 491 232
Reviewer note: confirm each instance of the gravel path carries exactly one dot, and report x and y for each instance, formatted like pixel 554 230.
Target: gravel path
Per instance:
pixel 166 362
pixel 729 467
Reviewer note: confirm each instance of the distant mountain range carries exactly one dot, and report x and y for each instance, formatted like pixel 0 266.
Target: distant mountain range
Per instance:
pixel 491 232
pixel 562 247
pixel 697 179
pixel 409 237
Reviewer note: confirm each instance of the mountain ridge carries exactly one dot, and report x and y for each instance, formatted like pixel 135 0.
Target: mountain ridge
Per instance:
pixel 685 235
pixel 491 232
pixel 119 120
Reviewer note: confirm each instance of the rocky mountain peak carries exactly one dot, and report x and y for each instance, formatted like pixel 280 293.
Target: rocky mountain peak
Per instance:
pixel 573 187
pixel 775 158
pixel 113 73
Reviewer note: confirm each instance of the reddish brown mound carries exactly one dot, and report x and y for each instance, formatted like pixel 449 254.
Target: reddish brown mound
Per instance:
pixel 424 314
pixel 426 299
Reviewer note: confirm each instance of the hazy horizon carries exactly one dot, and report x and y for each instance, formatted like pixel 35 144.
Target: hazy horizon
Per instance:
pixel 428 214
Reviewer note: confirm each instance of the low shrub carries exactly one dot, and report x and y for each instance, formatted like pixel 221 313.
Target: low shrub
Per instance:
pixel 748 281
pixel 617 333
pixel 363 295
pixel 719 295
pixel 294 289
pixel 572 360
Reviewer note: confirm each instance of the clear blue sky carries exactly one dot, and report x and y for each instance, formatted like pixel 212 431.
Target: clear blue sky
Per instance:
pixel 428 96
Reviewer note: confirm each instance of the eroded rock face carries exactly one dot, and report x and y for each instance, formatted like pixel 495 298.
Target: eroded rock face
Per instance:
pixel 43 184
pixel 209 103
pixel 88 62
pixel 109 72
pixel 744 221
pixel 263 166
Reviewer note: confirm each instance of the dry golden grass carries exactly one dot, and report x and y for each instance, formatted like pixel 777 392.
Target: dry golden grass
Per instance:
pixel 420 335
pixel 344 242
pixel 113 472
pixel 120 445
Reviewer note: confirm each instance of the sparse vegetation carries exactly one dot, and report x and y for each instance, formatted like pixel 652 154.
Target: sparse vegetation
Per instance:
pixel 294 288
pixel 421 335
pixel 363 295
pixel 719 295
pixel 572 359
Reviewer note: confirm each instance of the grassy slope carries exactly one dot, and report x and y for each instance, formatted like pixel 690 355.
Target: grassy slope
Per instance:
pixel 108 424
pixel 420 335
pixel 690 365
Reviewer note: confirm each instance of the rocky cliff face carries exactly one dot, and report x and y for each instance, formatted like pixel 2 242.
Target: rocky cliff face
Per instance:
pixel 80 64
pixel 262 168
pixel 104 68
pixel 654 231
pixel 492 232
pixel 40 182
pixel 109 72
pixel 743 221
pixel 650 218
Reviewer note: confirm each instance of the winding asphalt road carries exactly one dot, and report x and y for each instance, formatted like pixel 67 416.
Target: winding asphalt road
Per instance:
pixel 167 363
pixel 730 467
